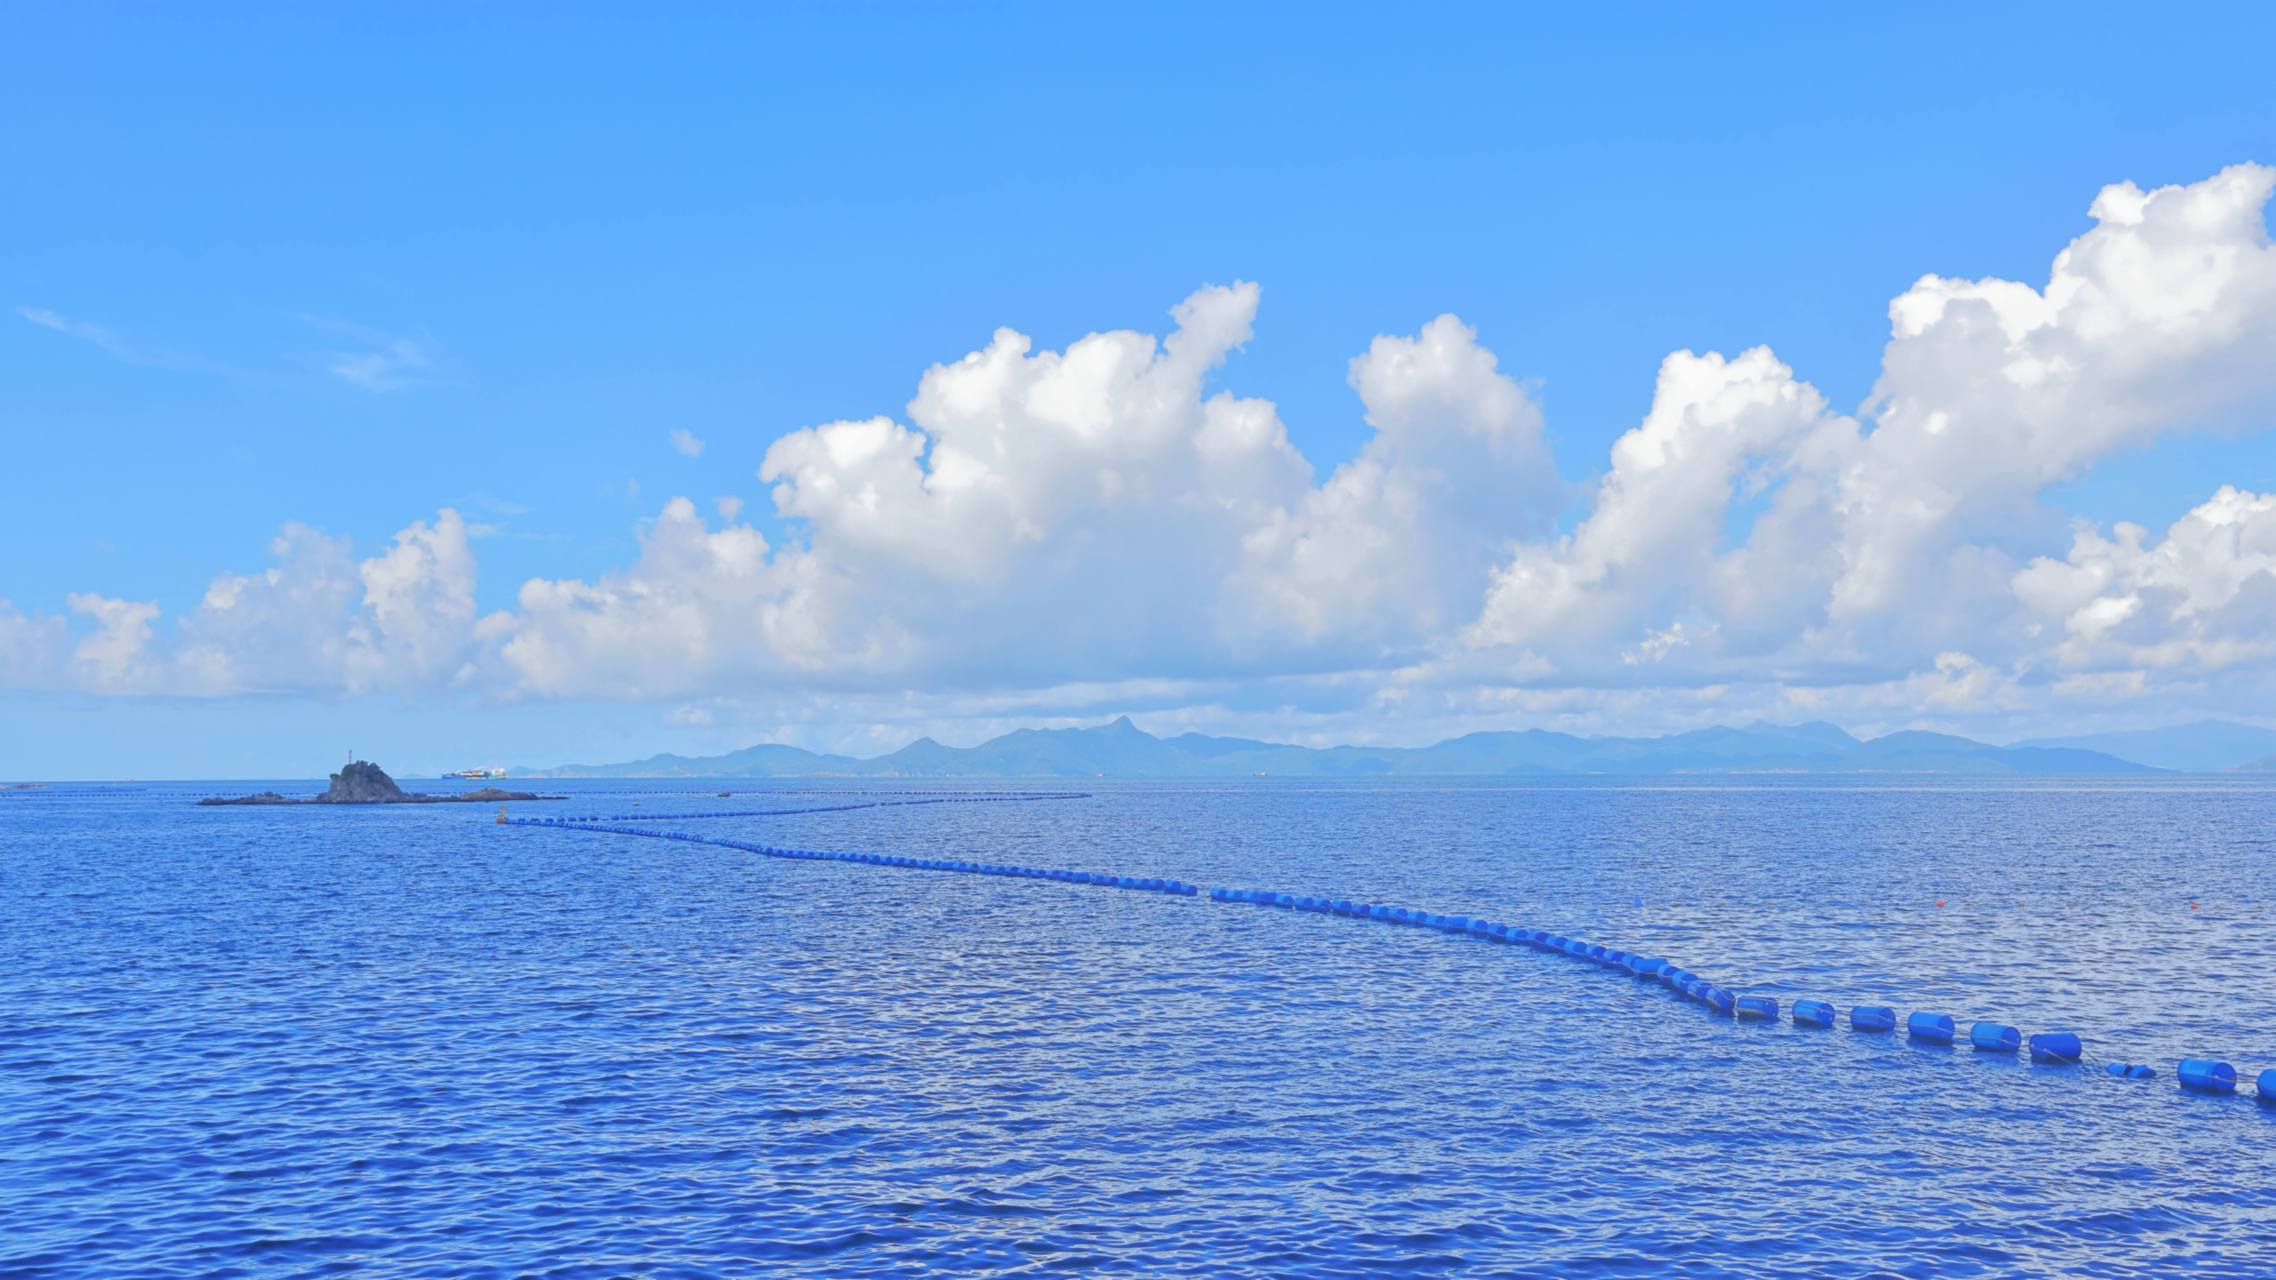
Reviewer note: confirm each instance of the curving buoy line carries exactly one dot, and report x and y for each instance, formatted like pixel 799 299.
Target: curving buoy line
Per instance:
pixel 1935 1030
pixel 1149 884
pixel 990 797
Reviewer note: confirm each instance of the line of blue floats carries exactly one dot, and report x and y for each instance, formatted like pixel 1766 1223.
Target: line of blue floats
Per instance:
pixel 2055 1048
pixel 993 798
pixel 1146 884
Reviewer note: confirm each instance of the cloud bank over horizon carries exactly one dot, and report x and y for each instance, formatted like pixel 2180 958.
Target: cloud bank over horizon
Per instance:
pixel 1050 534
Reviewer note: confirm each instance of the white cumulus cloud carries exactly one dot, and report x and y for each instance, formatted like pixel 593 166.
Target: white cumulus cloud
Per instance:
pixel 1396 547
pixel 1050 529
pixel 2200 599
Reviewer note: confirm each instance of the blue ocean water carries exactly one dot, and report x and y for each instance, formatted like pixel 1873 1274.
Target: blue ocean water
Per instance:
pixel 410 1042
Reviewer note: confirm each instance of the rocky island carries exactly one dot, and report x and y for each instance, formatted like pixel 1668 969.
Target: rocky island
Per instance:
pixel 362 782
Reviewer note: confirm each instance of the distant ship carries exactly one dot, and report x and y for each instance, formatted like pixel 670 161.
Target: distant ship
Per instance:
pixel 477 775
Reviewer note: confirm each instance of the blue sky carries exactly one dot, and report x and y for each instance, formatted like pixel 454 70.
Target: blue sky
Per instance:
pixel 349 267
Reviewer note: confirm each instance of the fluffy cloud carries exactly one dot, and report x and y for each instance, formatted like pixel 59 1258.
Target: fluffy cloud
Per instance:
pixel 2161 317
pixel 2202 599
pixel 1883 545
pixel 1011 449
pixel 1647 550
pixel 1029 522
pixel 1043 528
pixel 1396 547
pixel 116 654
pixel 316 620
pixel 697 610
pixel 32 648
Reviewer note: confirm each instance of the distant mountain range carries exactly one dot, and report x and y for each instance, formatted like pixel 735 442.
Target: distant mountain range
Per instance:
pixel 1122 750
pixel 2207 746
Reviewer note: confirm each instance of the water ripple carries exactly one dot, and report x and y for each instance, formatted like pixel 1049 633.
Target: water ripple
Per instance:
pixel 272 1043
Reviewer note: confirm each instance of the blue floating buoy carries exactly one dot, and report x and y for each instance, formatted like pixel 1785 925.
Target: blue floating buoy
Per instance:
pixel 1648 969
pixel 1757 1009
pixel 1718 999
pixel 1930 1028
pixel 2204 1075
pixel 1994 1037
pixel 2056 1047
pixel 2264 1086
pixel 1813 1013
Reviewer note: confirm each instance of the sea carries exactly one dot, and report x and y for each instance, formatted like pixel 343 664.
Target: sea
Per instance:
pixel 411 1041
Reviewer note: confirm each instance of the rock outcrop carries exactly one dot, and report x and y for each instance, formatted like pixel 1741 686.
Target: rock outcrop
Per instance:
pixel 362 782
pixel 265 797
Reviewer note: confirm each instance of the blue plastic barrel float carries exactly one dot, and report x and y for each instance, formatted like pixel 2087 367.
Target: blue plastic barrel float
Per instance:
pixel 2056 1048
pixel 2204 1075
pixel 1813 1013
pixel 1930 1028
pixel 1756 1009
pixel 1995 1037
pixel 2264 1086
pixel 1872 1017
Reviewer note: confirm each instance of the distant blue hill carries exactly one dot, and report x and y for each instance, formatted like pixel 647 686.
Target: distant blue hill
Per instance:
pixel 2208 746
pixel 1121 749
